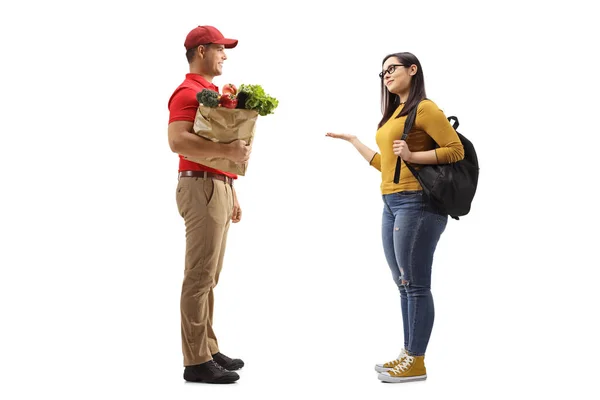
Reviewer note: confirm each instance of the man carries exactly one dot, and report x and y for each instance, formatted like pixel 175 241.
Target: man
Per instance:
pixel 207 201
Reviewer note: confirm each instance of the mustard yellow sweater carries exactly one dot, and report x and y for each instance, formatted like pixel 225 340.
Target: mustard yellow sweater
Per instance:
pixel 431 126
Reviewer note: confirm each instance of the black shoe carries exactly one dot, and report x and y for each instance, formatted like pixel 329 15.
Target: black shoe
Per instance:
pixel 209 372
pixel 228 363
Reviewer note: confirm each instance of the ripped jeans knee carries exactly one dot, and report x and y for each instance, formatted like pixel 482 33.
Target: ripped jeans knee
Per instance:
pixel 402 279
pixel 402 283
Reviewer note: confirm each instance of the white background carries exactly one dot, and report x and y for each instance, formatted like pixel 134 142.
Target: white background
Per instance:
pixel 93 248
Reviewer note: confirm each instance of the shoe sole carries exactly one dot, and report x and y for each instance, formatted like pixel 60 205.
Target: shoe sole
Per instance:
pixel 394 379
pixel 225 379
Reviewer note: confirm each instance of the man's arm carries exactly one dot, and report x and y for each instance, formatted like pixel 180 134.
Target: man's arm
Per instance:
pixel 183 141
pixel 183 106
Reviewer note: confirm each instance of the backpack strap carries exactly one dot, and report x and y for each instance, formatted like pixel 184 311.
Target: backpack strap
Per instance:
pixel 410 121
pixel 455 123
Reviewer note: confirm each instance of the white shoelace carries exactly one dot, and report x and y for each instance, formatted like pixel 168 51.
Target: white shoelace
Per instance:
pixel 397 360
pixel 406 363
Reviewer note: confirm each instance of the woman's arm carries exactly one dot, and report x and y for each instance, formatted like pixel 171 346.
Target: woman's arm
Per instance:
pixel 433 121
pixel 372 157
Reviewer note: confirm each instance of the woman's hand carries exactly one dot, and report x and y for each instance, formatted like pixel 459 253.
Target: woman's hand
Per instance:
pixel 364 151
pixel 400 149
pixel 343 136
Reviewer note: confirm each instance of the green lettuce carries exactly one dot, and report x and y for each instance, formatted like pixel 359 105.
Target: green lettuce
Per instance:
pixel 253 97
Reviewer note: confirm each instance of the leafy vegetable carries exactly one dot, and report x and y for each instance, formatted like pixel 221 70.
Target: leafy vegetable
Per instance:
pixel 253 97
pixel 208 97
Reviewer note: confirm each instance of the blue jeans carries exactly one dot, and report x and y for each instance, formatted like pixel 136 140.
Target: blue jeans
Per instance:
pixel 411 229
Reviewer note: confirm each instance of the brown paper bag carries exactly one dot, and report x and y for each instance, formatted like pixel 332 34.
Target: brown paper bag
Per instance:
pixel 224 125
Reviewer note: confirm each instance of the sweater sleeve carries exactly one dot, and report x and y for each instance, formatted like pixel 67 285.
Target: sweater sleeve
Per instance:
pixel 433 121
pixel 376 162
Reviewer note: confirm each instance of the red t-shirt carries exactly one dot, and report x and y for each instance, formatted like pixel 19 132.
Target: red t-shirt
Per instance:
pixel 183 106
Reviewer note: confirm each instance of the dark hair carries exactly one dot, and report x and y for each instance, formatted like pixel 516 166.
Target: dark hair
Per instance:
pixel 190 54
pixel 391 101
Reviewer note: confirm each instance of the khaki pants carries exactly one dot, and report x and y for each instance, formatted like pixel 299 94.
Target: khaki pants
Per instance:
pixel 206 206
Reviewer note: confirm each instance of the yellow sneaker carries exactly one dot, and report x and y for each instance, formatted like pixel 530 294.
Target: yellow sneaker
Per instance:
pixel 412 368
pixel 389 365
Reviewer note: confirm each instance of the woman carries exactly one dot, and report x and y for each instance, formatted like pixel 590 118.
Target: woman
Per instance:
pixel 411 227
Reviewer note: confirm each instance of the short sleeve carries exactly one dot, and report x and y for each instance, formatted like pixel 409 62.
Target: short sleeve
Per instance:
pixel 183 105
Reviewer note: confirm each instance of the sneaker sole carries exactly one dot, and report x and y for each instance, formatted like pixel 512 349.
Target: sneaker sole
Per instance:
pixel 394 379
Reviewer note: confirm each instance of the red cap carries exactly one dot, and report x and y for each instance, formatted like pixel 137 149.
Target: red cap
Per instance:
pixel 205 35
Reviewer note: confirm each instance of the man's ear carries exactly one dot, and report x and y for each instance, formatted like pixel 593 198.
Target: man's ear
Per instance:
pixel 201 51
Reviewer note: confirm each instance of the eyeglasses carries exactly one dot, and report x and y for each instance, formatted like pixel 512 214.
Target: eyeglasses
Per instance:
pixel 390 70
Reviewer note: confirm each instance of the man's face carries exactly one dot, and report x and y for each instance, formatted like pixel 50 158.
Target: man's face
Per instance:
pixel 212 59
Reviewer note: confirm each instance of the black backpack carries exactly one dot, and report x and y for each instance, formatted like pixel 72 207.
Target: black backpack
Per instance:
pixel 449 187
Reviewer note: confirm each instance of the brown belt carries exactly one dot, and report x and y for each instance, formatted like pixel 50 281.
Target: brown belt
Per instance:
pixel 205 174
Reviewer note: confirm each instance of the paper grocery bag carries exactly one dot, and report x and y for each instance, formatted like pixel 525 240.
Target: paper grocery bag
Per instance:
pixel 224 125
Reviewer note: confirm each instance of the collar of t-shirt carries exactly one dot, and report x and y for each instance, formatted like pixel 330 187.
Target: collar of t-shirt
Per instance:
pixel 202 81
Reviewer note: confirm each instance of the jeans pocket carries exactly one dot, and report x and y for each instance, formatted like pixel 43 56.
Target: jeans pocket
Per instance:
pixel 412 193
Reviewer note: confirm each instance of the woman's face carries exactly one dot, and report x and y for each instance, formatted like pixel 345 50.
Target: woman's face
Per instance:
pixel 396 76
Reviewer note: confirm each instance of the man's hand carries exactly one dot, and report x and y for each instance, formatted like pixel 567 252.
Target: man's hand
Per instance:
pixel 183 141
pixel 238 151
pixel 236 216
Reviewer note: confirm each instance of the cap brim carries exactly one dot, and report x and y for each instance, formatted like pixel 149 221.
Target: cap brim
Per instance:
pixel 228 43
